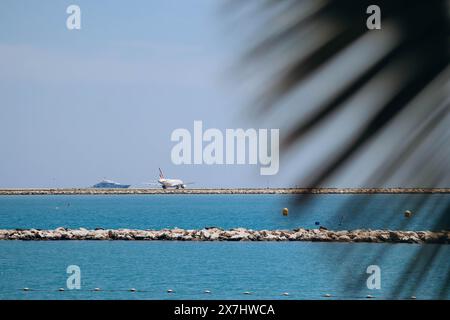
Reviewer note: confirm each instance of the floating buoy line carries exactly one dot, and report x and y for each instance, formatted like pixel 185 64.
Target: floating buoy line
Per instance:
pixel 172 291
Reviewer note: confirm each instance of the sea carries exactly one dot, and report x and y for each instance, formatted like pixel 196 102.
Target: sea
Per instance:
pixel 224 270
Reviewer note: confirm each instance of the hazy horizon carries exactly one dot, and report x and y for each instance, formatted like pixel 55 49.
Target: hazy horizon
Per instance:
pixel 78 106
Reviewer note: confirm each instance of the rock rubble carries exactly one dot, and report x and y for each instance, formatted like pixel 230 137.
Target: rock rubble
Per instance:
pixel 93 191
pixel 237 234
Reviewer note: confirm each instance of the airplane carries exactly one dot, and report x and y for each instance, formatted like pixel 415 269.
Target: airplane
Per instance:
pixel 170 183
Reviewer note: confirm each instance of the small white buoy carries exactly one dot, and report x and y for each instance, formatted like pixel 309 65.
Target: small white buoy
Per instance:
pixel 247 292
pixel 97 289
pixel 327 295
pixel 413 297
pixel 170 291
pixel 207 291
pixel 369 296
pixel 285 293
pixel 26 289
pixel 61 289
pixel 408 214
pixel 133 290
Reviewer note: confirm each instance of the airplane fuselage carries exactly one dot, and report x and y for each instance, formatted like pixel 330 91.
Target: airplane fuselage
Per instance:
pixel 171 183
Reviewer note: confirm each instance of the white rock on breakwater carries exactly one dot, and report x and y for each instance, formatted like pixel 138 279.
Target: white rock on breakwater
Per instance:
pixel 94 191
pixel 237 234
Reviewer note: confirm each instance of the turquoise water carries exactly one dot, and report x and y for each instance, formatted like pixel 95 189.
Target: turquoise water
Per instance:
pixel 227 269
pixel 306 270
pixel 226 211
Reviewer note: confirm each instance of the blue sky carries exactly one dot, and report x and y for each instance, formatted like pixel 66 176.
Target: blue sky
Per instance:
pixel 101 102
pixel 77 106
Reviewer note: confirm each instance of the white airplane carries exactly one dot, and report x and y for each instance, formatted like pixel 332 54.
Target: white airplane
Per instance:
pixel 170 183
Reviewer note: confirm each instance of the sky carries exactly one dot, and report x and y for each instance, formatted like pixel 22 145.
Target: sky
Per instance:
pixel 101 102
pixel 77 106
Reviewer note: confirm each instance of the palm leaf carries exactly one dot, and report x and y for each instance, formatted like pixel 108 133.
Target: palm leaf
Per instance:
pixel 300 40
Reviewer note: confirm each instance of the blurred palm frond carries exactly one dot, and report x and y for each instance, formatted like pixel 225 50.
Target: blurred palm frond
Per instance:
pixel 401 72
pixel 419 54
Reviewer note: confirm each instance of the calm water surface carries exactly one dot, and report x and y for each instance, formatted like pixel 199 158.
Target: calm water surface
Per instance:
pixel 305 270
pixel 226 211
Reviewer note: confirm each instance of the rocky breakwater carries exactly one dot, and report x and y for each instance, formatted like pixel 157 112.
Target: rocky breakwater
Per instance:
pixel 238 234
pixel 99 191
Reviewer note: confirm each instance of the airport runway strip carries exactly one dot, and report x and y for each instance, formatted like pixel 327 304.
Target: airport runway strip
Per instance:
pixel 94 191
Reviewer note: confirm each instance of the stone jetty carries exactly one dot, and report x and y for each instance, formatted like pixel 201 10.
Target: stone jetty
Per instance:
pixel 237 234
pixel 93 191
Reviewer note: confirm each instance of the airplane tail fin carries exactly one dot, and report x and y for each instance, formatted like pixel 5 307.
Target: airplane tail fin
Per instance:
pixel 161 174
